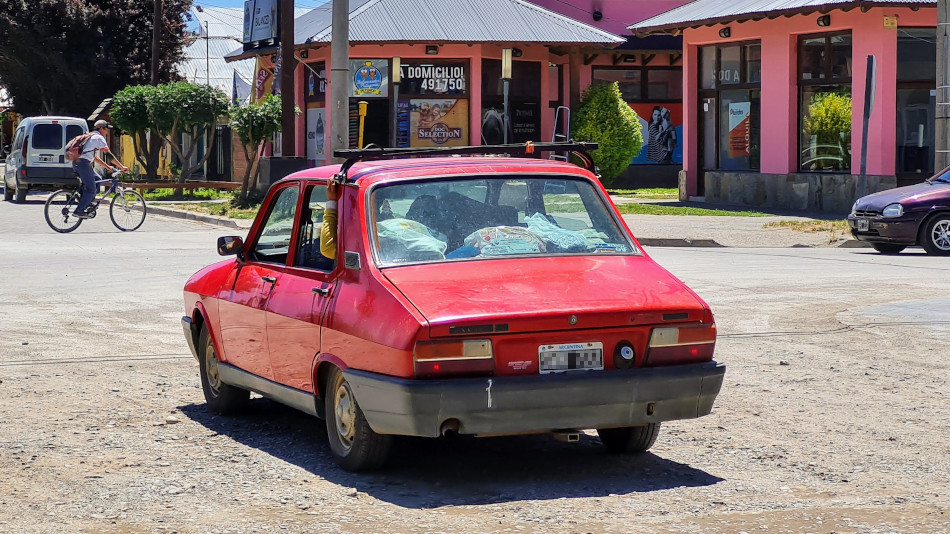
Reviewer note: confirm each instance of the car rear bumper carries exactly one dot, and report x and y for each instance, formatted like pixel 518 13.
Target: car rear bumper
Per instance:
pixel 881 230
pixel 523 404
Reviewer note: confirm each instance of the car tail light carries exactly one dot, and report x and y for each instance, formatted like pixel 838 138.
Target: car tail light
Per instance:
pixel 681 344
pixel 26 142
pixel 470 357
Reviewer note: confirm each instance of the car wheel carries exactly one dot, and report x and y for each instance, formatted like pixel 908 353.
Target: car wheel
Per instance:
pixel 936 235
pixel 221 398
pixel 355 446
pixel 20 193
pixel 631 439
pixel 884 248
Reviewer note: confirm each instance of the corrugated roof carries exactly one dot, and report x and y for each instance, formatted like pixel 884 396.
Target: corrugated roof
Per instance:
pixel 702 12
pixel 214 71
pixel 438 21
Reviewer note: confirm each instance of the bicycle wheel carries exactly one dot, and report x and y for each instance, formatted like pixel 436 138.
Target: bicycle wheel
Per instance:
pixel 59 211
pixel 127 210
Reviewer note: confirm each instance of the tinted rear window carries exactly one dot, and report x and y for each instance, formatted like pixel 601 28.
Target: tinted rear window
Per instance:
pixel 72 130
pixel 48 136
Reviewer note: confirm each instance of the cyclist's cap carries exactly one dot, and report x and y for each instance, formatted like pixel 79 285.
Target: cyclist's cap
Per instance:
pixel 101 124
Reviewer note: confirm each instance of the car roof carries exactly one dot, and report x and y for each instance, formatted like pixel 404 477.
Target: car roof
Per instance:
pixel 366 173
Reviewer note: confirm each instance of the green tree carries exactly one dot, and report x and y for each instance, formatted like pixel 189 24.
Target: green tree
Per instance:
pixel 184 113
pixel 66 56
pixel 255 124
pixel 827 129
pixel 129 112
pixel 605 118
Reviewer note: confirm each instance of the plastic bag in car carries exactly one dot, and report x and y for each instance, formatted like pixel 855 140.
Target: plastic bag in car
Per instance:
pixel 402 240
pixel 561 240
pixel 502 240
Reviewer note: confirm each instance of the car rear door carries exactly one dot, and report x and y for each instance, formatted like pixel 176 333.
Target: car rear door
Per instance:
pixel 299 299
pixel 242 315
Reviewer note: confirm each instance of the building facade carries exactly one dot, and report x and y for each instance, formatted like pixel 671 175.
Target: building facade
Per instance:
pixel 774 101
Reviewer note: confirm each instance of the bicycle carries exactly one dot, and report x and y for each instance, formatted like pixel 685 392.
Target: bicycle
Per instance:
pixel 127 209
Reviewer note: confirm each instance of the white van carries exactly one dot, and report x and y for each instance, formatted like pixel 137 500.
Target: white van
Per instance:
pixel 37 157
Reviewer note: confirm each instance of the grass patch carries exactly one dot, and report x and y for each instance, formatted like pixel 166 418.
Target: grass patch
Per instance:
pixel 192 194
pixel 223 209
pixel 839 226
pixel 650 192
pixel 659 209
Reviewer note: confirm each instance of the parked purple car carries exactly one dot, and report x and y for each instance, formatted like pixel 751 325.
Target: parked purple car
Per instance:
pixel 895 219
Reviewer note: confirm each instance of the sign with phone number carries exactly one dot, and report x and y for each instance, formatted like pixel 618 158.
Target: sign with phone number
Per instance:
pixel 433 79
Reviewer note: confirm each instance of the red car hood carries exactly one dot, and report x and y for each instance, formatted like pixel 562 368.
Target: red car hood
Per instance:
pixel 541 294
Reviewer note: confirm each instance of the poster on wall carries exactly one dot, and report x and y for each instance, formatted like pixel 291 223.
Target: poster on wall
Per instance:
pixel 740 129
pixel 316 135
pixel 370 78
pixel 662 128
pixel 438 122
pixel 315 85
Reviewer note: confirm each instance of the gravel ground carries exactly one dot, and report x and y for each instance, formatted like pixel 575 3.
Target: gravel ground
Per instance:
pixel 833 417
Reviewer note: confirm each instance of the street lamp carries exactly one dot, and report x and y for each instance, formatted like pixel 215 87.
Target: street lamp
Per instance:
pixel 396 74
pixel 506 79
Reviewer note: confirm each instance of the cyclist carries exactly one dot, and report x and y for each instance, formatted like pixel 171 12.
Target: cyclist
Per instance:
pixel 83 166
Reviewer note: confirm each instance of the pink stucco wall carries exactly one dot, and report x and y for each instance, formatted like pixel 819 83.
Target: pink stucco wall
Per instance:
pixel 617 14
pixel 779 106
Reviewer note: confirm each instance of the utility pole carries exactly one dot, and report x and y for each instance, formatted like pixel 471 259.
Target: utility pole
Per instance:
pixel 288 89
pixel 942 152
pixel 156 39
pixel 339 77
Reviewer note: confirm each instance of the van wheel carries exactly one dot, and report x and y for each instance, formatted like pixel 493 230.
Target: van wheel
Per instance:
pixel 20 193
pixel 355 446
pixel 631 439
pixel 7 193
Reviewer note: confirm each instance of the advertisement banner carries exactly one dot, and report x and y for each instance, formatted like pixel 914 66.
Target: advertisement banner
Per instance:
pixel 263 79
pixel 370 78
pixel 740 129
pixel 316 135
pixel 260 20
pixel 428 79
pixel 438 122
pixel 662 128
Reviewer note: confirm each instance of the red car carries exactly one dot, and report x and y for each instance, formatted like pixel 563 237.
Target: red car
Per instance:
pixel 472 295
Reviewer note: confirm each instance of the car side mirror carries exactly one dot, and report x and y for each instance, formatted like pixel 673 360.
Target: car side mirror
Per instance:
pixel 230 245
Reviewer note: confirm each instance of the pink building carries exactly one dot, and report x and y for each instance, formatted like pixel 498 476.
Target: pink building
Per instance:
pixel 774 98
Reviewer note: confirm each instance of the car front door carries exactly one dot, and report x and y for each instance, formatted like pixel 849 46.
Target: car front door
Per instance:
pixel 242 315
pixel 299 299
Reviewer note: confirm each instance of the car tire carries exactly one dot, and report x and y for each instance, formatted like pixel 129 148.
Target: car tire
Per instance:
pixel 220 398
pixel 20 193
pixel 630 439
pixel 935 236
pixel 354 445
pixel 885 248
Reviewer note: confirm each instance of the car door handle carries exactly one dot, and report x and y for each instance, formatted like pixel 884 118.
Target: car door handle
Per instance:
pixel 269 279
pixel 322 291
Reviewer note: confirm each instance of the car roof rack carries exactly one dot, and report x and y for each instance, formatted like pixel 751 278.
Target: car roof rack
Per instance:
pixel 581 149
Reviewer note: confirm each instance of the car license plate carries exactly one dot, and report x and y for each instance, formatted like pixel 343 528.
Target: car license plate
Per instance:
pixel 571 357
pixel 862 225
pixel 46 158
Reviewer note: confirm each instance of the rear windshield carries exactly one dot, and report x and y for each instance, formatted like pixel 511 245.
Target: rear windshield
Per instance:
pixel 48 136
pixel 476 218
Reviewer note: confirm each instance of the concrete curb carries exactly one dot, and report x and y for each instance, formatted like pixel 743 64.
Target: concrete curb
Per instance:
pixel 194 216
pixel 661 242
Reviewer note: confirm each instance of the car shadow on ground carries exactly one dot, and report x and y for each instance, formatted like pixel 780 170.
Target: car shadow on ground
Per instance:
pixel 464 470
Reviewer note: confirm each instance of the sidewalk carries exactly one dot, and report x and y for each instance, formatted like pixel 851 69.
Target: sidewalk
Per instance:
pixel 653 230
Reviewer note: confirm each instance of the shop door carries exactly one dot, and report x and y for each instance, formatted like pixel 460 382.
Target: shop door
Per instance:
pixel 708 153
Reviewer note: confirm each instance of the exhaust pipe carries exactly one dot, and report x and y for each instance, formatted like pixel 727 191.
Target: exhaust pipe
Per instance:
pixel 567 436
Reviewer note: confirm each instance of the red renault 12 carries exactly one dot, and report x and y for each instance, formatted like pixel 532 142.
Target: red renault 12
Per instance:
pixel 474 295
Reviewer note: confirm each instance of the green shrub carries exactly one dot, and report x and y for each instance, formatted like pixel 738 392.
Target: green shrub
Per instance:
pixel 604 117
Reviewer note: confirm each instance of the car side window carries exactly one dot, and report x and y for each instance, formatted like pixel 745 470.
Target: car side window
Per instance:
pixel 274 242
pixel 311 220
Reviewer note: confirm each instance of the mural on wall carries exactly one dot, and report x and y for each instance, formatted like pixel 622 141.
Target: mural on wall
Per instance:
pixel 438 122
pixel 662 129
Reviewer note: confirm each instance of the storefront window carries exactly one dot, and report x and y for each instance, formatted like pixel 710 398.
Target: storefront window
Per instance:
pixel 916 101
pixel 825 103
pixel 524 101
pixel 730 108
pixel 656 95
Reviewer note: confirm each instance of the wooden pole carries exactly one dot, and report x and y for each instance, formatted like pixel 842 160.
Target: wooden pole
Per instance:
pixel 942 141
pixel 156 39
pixel 287 87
